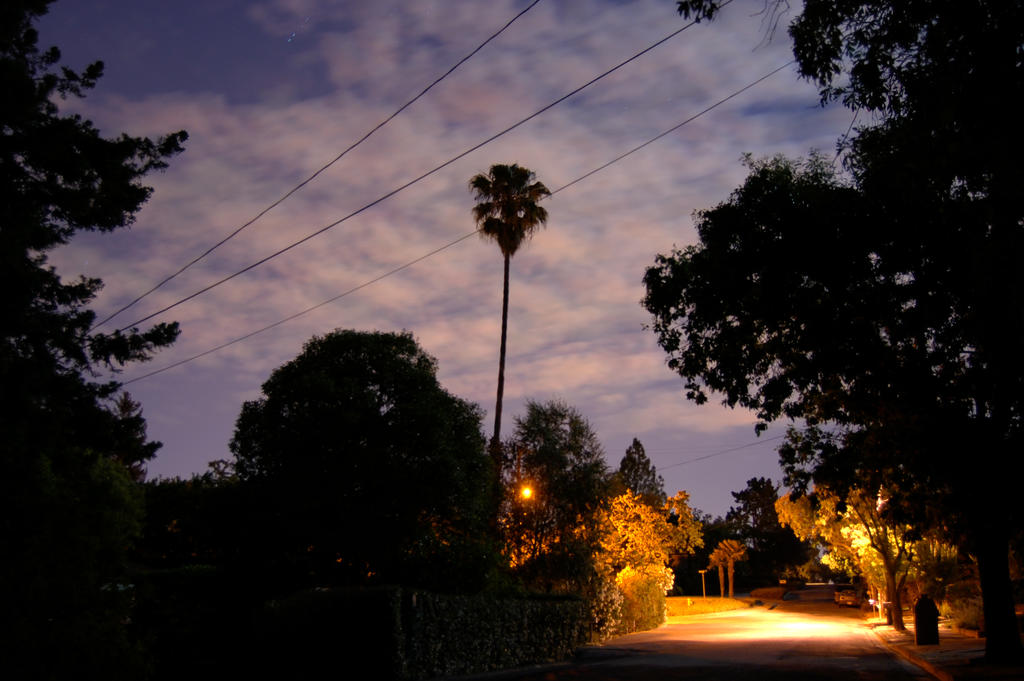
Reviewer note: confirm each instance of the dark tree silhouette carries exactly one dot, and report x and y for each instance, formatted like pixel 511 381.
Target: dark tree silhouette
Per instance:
pixel 506 212
pixel 936 75
pixel 774 549
pixel 132 447
pixel 637 473
pixel 371 470
pixel 67 507
pixel 807 298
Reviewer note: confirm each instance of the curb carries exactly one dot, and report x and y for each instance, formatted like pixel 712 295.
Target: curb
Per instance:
pixel 940 674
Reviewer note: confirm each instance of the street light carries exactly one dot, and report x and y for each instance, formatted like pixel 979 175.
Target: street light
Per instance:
pixel 526 492
pixel 702 587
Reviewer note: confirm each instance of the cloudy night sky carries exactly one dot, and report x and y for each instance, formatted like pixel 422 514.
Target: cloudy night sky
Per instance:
pixel 272 90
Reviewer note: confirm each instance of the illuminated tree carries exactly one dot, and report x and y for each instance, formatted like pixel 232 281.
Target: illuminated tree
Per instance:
pixel 859 530
pixel 727 554
pixel 558 452
pixel 645 538
pixel 637 545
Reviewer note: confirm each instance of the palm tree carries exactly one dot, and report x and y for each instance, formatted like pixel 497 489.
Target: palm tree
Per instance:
pixel 727 553
pixel 507 212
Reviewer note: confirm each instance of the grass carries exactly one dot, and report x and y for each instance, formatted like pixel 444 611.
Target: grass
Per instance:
pixel 695 605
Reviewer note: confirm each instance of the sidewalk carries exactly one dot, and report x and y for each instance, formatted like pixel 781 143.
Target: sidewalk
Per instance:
pixel 958 657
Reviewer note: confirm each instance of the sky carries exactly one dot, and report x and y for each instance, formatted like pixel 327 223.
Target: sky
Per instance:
pixel 270 91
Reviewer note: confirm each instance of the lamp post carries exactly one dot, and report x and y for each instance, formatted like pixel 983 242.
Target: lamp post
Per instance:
pixel 703 589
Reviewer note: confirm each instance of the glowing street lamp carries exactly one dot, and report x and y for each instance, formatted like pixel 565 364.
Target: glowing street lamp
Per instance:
pixel 702 587
pixel 526 492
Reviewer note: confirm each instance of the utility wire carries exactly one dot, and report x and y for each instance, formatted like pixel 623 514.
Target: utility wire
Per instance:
pixel 676 127
pixel 410 182
pixel 247 336
pixel 309 179
pixel 720 453
pixel 445 247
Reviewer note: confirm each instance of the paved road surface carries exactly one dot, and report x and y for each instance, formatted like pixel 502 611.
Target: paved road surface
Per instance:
pixel 793 642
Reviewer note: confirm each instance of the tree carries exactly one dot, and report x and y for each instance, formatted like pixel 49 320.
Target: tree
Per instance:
pixel 774 549
pixel 728 553
pixel 638 543
pixel 563 462
pixel 935 75
pixel 132 448
pixel 68 508
pixel 792 306
pixel 507 212
pixel 646 538
pixel 638 474
pixel 859 530
pixel 371 470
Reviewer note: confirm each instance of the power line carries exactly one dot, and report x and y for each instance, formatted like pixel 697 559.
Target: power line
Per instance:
pixel 676 127
pixel 303 312
pixel 720 453
pixel 409 183
pixel 309 179
pixel 447 245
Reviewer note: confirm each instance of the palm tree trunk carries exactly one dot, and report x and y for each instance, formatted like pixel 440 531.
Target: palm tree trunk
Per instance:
pixel 721 582
pixel 496 440
pixel 732 574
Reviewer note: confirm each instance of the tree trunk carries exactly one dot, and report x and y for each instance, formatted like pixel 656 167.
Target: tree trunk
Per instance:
pixel 732 573
pixel 721 582
pixel 496 439
pixel 895 602
pixel 1002 639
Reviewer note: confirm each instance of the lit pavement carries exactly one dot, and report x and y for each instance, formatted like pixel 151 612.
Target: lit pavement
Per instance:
pixel 795 641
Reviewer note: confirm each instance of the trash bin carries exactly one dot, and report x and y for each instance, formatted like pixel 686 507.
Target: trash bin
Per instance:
pixel 926 622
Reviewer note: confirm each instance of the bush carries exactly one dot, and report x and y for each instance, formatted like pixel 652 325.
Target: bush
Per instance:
pixel 965 613
pixel 604 604
pixel 643 598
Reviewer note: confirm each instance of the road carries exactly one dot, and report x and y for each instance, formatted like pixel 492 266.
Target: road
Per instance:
pixel 794 642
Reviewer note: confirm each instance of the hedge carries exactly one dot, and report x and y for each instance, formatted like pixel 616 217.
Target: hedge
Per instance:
pixel 397 633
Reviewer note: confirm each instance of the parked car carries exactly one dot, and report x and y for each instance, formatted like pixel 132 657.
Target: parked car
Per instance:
pixel 848 595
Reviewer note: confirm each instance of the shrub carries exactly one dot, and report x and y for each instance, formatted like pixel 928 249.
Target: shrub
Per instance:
pixel 604 605
pixel 966 613
pixel 643 598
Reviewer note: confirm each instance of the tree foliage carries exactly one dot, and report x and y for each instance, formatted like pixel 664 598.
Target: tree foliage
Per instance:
pixel 775 551
pixel 560 457
pixel 645 538
pixel 372 469
pixel 727 554
pixel 507 212
pixel 637 473
pixel 861 532
pixel 808 298
pixel 68 507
